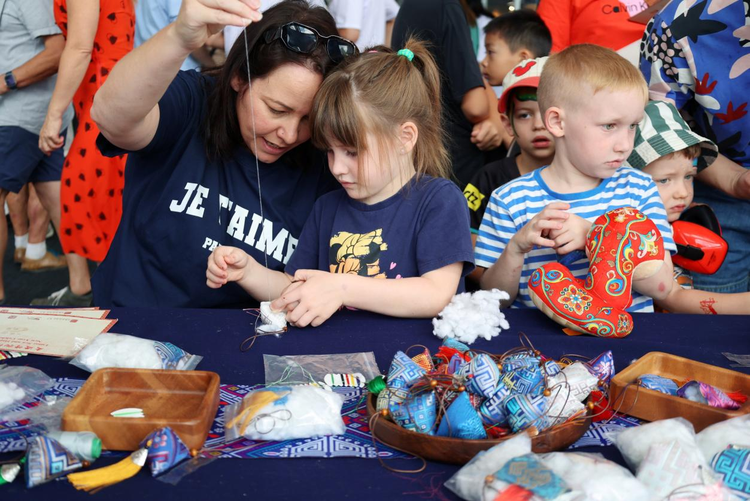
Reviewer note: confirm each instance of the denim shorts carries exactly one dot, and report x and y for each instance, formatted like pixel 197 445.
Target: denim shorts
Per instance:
pixel 21 160
pixel 734 217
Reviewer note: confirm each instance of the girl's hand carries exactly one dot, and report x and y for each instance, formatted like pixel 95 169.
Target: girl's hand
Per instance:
pixel 226 264
pixel 572 235
pixel 312 298
pixel 199 19
pixel 536 231
pixel 49 137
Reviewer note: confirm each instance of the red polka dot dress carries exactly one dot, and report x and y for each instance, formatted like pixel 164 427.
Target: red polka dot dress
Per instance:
pixel 91 185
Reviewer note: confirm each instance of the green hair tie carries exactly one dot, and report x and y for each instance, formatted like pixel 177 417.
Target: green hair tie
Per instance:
pixel 406 53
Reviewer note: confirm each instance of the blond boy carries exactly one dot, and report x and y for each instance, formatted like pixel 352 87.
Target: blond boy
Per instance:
pixel 592 100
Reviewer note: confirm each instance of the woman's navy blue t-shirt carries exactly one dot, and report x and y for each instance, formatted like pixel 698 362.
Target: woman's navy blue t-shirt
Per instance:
pixel 178 206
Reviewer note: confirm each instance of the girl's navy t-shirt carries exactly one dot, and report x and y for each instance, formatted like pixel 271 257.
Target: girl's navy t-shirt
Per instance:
pixel 178 206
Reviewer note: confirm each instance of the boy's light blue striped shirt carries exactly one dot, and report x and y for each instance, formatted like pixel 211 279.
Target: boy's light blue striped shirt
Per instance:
pixel 514 204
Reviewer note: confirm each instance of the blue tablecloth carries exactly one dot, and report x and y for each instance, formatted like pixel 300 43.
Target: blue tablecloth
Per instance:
pixel 217 334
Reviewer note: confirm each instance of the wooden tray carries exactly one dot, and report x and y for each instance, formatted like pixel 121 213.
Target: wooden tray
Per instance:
pixel 461 451
pixel 184 400
pixel 652 405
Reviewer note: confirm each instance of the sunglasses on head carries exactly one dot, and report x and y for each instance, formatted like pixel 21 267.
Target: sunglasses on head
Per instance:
pixel 304 39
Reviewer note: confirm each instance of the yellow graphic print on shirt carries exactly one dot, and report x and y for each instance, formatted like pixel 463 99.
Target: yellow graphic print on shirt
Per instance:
pixel 356 253
pixel 473 196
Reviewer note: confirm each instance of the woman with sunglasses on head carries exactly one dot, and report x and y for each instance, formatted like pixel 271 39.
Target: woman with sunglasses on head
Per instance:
pixel 194 140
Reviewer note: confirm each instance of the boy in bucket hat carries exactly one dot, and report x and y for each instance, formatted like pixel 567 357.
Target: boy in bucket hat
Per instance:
pixel 672 154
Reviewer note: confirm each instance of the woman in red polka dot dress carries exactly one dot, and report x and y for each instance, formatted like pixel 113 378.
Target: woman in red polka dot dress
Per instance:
pixel 98 34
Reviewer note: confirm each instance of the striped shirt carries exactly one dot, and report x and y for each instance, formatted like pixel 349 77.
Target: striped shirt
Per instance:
pixel 513 205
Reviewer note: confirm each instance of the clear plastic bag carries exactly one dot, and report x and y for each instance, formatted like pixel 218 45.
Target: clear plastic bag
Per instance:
pixel 285 413
pixel 48 414
pixel 306 369
pixel 19 385
pixel 130 352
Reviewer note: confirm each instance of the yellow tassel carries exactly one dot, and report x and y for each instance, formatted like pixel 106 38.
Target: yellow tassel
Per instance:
pixel 112 474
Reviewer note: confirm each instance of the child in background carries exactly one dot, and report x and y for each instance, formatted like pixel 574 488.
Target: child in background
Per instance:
pixel 672 154
pixel 511 38
pixel 524 122
pixel 535 145
pixel 398 216
pixel 592 100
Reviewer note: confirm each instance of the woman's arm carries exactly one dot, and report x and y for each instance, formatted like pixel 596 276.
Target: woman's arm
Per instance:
pixel 83 21
pixel 323 293
pixel 710 303
pixel 126 107
pixel 727 176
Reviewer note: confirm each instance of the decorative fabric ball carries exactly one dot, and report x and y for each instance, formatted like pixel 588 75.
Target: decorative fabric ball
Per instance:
pixel 525 411
pixel 658 383
pixel 166 450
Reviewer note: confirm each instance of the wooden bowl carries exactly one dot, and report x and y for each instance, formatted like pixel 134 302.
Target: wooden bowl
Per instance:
pixel 461 451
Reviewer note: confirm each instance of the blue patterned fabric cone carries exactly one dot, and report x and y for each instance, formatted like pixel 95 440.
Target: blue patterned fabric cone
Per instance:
pixel 166 450
pixel 456 364
pixel 493 409
pixel 391 399
pixel 47 459
pixel 449 342
pixel 603 366
pixel 551 368
pixel 462 421
pixel 658 383
pixel 704 393
pixel 527 380
pixel 733 466
pixel 519 361
pixel 417 413
pixel 484 376
pixel 525 410
pixel 531 474
pixel 404 372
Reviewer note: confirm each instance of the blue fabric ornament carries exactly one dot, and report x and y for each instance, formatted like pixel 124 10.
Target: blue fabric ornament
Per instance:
pixel 450 342
pixel 658 383
pixel 733 466
pixel 519 361
pixel 404 372
pixel 417 413
pixel 462 421
pixel 456 363
pixel 47 459
pixel 483 376
pixel 603 366
pixel 551 368
pixel 531 474
pixel 493 409
pixel 391 398
pixel 165 451
pixel 525 411
pixel 527 380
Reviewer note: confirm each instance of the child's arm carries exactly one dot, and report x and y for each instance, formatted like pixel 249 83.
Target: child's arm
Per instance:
pixel 230 264
pixel 710 303
pixel 505 273
pixel 659 285
pixel 322 293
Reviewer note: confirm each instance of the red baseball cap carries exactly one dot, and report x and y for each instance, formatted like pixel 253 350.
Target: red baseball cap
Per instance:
pixel 524 74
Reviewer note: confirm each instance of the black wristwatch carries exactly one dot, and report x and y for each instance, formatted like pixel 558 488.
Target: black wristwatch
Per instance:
pixel 10 80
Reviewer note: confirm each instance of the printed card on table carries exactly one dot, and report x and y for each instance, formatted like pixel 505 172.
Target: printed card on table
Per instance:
pixel 54 335
pixel 72 312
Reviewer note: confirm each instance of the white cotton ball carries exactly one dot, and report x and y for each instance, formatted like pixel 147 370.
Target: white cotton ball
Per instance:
pixel 472 315
pixel 276 320
pixel 10 393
